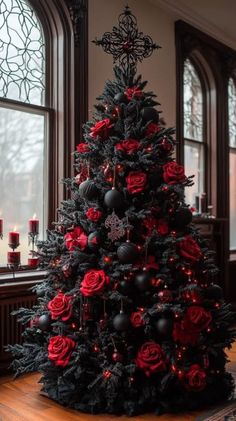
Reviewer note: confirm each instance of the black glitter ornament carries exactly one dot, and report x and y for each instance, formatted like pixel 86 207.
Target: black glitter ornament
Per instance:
pixel 44 322
pixel 143 281
pixel 88 190
pixel 150 114
pixel 120 98
pixel 121 322
pixel 182 217
pixel 113 199
pixel 127 252
pixel 164 327
pixel 214 292
pixel 94 240
pixel 124 287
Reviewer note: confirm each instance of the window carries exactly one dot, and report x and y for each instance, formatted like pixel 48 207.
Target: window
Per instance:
pixel 23 123
pixel 232 160
pixel 43 105
pixel 194 153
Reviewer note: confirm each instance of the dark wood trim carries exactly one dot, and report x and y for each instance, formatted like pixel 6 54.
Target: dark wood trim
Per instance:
pixel 220 61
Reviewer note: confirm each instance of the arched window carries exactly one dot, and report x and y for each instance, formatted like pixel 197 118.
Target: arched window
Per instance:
pixel 43 103
pixel 232 160
pixel 194 148
pixel 23 122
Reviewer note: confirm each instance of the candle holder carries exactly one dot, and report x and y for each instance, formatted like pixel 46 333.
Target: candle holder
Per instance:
pixel 13 259
pixel 33 236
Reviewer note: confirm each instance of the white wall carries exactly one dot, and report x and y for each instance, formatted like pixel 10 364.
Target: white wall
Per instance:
pixel 159 69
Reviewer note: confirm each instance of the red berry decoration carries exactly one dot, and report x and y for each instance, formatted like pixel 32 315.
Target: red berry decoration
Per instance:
pixel 117 357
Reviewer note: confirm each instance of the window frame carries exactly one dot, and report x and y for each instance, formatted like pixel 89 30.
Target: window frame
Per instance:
pixel 205 137
pixel 65 27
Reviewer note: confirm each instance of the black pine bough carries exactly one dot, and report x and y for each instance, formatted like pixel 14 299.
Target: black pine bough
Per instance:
pixel 143 329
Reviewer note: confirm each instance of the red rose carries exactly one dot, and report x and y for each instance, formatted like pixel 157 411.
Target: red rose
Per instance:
pixel 82 147
pixel 94 214
pixel 195 378
pixel 152 129
pixel 60 307
pixel 150 358
pixel 128 146
pixel 136 319
pixel 162 227
pixel 94 282
pixel 189 249
pixel 133 92
pixel 60 349
pixel 76 238
pixel 101 129
pixel 173 173
pixel 136 182
pixel 183 335
pixel 197 318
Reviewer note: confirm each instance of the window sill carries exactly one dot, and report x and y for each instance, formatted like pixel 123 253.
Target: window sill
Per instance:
pixel 23 277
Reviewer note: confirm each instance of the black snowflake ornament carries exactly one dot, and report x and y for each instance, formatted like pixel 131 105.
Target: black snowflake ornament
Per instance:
pixel 126 43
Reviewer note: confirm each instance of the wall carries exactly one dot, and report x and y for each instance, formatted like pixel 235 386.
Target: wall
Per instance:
pixel 159 69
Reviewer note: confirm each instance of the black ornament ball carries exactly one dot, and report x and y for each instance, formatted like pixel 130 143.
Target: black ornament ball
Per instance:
pixel 182 217
pixel 121 322
pixel 94 240
pixel 113 199
pixel 164 327
pixel 142 281
pixel 214 292
pixel 44 321
pixel 124 287
pixel 127 253
pixel 150 114
pixel 120 98
pixel 88 190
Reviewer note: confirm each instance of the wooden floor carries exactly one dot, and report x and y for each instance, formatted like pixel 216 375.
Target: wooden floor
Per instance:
pixel 20 401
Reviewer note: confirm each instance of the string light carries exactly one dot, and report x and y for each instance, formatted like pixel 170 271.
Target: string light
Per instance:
pixel 106 374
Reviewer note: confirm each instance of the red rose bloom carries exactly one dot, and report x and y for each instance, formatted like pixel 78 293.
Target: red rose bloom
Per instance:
pixel 128 146
pixel 94 214
pixel 136 319
pixel 184 336
pixel 94 282
pixel 195 378
pixel 152 129
pixel 173 173
pixel 82 176
pixel 136 182
pixel 82 147
pixel 150 358
pixel 197 318
pixel 60 307
pixel 76 238
pixel 101 129
pixel 135 91
pixel 189 249
pixel 60 349
pixel 163 227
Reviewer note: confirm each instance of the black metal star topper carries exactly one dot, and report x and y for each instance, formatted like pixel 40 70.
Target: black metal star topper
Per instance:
pixel 126 43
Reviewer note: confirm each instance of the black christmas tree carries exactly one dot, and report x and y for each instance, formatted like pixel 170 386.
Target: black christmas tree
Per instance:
pixel 130 318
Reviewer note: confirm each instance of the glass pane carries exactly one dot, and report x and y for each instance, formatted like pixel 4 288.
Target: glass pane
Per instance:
pixel 22 53
pixel 232 196
pixel 193 104
pixel 194 165
pixel 232 112
pixel 22 172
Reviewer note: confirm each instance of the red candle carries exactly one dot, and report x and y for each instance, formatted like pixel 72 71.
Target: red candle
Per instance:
pixel 34 225
pixel 33 262
pixel 14 239
pixel 13 257
pixel 1 227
